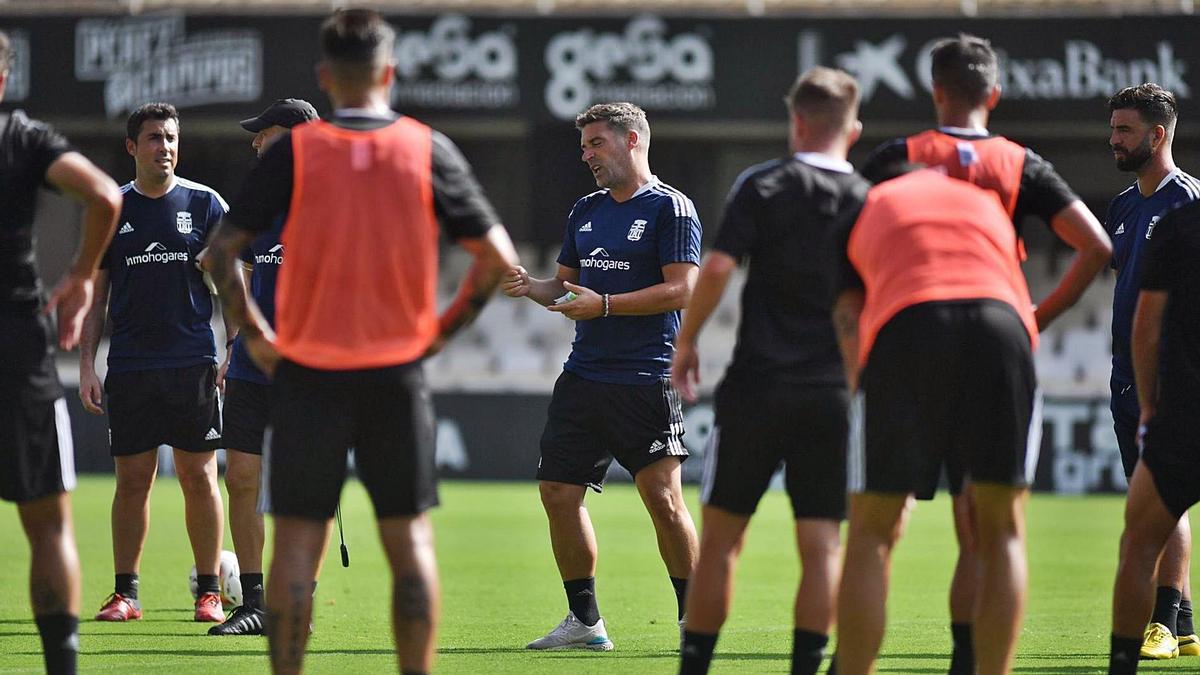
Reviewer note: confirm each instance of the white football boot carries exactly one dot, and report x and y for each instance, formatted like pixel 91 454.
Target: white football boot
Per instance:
pixel 573 634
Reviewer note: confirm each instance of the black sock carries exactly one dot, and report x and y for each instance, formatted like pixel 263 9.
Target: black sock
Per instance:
pixel 1166 607
pixel 252 589
pixel 207 583
pixel 127 585
pixel 680 586
pixel 1183 622
pixel 696 652
pixel 808 649
pixel 962 660
pixel 1123 655
pixel 581 597
pixel 60 642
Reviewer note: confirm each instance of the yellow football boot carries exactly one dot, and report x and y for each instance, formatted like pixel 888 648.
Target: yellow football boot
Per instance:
pixel 1158 643
pixel 1189 645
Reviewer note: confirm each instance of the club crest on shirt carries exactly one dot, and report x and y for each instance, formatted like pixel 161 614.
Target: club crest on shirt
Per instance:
pixel 183 222
pixel 636 230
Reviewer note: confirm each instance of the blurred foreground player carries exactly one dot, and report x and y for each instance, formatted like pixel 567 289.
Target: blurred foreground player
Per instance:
pixel 356 313
pixel 965 74
pixel 1143 126
pixel 37 458
pixel 248 393
pixel 162 372
pixel 1166 363
pixel 937 332
pixel 628 263
pixel 783 398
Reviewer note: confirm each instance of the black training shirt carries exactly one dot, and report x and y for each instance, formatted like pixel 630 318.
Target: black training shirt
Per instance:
pixel 1171 263
pixel 459 202
pixel 27 149
pixel 779 217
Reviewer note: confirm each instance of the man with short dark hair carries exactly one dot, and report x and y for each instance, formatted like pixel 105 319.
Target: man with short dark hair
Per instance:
pixel 628 263
pixel 248 394
pixel 966 88
pixel 1143 121
pixel 162 372
pixel 937 332
pixel 783 398
pixel 1166 354
pixel 356 313
pixel 37 458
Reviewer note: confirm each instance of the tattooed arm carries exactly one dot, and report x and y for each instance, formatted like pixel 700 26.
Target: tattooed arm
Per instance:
pixel 224 267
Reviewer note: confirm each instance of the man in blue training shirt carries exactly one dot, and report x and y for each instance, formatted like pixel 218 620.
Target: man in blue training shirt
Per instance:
pixel 1143 125
pixel 628 264
pixel 247 392
pixel 162 371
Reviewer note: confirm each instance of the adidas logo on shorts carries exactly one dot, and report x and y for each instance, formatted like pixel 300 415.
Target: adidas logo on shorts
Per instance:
pixel 656 446
pixel 212 435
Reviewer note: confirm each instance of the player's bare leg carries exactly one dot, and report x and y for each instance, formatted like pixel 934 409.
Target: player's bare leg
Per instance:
pixel 54 577
pixel 819 541
pixel 242 473
pixel 1174 566
pixel 712 580
pixel 203 511
pixel 964 585
pixel 131 509
pixel 571 533
pixel 1000 526
pixel 408 543
pixel 661 489
pixel 298 543
pixel 54 563
pixel 876 524
pixel 1148 525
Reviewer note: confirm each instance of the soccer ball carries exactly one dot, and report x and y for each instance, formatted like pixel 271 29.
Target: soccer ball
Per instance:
pixel 231 583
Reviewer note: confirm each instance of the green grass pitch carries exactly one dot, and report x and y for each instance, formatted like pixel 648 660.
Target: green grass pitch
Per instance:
pixel 500 590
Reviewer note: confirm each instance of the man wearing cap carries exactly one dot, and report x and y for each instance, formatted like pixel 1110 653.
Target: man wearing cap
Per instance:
pixel 247 392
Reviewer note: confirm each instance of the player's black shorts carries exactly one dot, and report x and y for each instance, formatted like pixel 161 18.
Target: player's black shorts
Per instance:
pixel 178 407
pixel 758 426
pixel 37 457
pixel 246 412
pixel 1171 451
pixel 590 423
pixel 385 414
pixel 1126 414
pixel 946 383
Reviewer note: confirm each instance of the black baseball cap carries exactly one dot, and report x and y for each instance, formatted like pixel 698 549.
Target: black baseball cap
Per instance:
pixel 286 112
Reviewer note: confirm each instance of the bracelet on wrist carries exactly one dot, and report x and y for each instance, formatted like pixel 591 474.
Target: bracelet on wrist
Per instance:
pixel 606 305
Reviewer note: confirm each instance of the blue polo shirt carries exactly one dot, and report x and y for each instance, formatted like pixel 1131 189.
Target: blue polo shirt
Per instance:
pixel 1131 218
pixel 158 305
pixel 265 255
pixel 619 247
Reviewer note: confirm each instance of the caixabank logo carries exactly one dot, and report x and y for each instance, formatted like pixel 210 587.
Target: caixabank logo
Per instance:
pixel 645 64
pixel 1061 70
pixel 451 66
pixel 151 58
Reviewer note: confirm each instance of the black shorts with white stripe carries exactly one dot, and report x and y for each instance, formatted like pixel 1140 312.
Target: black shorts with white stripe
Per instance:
pixel 37 457
pixel 760 426
pixel 946 383
pixel 590 423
